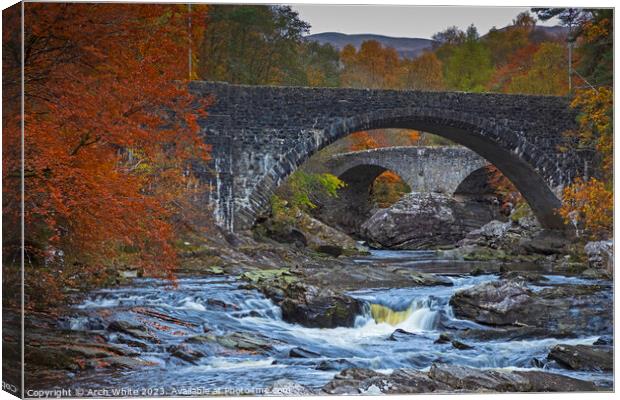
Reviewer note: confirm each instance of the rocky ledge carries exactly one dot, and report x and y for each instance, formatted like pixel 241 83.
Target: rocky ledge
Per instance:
pixel 575 308
pixel 451 378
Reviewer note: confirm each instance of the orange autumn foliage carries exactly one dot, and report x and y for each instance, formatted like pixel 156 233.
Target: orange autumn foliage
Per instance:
pixel 110 133
pixel 362 141
pixel 588 205
pixel 509 196
pixel 387 189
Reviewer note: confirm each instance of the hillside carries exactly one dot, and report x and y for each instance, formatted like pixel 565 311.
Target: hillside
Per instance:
pixel 406 47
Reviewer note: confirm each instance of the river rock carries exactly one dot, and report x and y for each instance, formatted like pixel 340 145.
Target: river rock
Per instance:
pixel 419 221
pixel 334 365
pixel 444 338
pixel 512 333
pixel 118 362
pixel 582 357
pixel 319 308
pixel 186 353
pixel 299 352
pixel 400 335
pixel 545 242
pixel 302 231
pixel 576 308
pixel 600 255
pixel 493 303
pixel 366 381
pixel 526 276
pixel 497 380
pixel 606 340
pixel 132 329
pixel 242 341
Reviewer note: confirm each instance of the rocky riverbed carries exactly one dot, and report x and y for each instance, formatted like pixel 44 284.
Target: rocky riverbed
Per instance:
pixel 388 322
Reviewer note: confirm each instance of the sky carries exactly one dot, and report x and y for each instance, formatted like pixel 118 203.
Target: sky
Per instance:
pixel 405 21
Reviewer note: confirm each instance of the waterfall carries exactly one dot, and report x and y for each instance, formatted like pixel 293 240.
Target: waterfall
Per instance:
pixel 420 315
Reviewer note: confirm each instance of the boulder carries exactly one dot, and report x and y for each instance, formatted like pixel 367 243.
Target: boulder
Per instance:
pixel 444 338
pixel 420 221
pixel 136 330
pixel 582 357
pixel 493 303
pixel 186 353
pixel 546 242
pixel 313 307
pixel 600 255
pixel 400 335
pixel 242 341
pixel 301 230
pixel 580 309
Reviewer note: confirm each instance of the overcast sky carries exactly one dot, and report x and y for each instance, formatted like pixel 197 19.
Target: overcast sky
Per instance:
pixel 405 21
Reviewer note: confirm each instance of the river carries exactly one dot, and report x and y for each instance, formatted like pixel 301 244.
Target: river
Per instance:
pixel 219 305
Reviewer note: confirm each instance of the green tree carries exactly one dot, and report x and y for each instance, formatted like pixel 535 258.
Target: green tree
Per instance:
pixel 470 66
pixel 596 48
pixel 251 44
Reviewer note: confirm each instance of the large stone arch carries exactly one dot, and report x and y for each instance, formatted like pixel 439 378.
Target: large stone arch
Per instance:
pixel 515 157
pixel 262 134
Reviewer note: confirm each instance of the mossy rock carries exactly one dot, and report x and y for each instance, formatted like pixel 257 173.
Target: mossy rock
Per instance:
pixel 215 270
pixel 266 275
pixel 485 255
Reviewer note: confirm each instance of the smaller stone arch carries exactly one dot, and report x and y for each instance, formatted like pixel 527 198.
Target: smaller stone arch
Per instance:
pixel 423 169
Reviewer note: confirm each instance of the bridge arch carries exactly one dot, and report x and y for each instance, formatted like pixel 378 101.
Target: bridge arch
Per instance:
pixel 501 146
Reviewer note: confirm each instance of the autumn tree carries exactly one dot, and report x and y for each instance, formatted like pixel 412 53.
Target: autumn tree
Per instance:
pixel 423 73
pixel 372 66
pixel 588 202
pixel 110 134
pixel 547 73
pixel 504 43
pixel 387 189
pixel 518 64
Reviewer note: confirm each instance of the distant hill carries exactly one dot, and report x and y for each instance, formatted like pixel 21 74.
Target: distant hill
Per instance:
pixel 552 31
pixel 406 47
pixel 410 47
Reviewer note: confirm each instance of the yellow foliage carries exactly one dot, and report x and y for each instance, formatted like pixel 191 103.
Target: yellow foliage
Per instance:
pixel 596 124
pixel 588 205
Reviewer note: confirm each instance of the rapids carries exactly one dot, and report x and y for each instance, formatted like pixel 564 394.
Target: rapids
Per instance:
pixel 222 306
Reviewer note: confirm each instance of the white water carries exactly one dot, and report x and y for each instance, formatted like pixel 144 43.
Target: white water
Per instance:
pixel 422 311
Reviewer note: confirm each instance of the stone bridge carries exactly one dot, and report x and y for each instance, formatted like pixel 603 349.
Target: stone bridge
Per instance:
pixel 423 169
pixel 443 170
pixel 261 134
